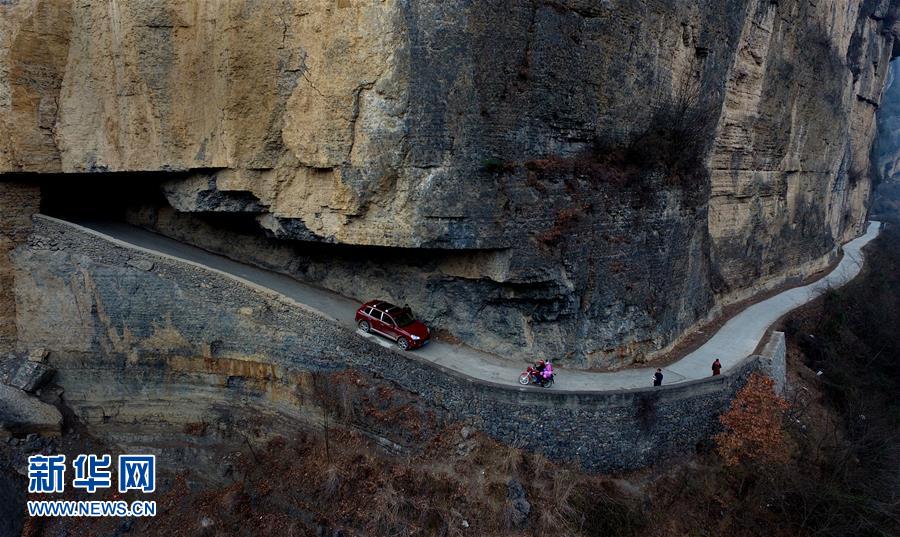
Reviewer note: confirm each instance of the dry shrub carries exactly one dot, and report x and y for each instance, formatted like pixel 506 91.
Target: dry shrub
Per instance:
pixel 332 482
pixel 597 509
pixel 754 429
pixel 555 515
pixel 676 140
pixel 566 221
pixel 600 164
pixel 385 511
pixel 510 461
pixel 674 143
pixel 197 428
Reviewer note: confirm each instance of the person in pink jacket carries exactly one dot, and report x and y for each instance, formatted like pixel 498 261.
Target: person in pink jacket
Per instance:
pixel 547 372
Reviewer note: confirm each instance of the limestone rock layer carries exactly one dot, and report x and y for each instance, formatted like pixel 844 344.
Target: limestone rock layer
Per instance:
pixel 580 179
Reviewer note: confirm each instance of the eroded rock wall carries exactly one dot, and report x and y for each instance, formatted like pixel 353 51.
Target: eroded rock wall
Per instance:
pixel 18 202
pixel 886 153
pixel 592 178
pixel 790 166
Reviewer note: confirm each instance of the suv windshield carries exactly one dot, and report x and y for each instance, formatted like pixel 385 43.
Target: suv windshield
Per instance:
pixel 403 318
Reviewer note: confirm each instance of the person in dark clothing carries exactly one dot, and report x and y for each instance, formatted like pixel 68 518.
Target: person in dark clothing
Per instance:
pixel 717 367
pixel 539 367
pixel 657 378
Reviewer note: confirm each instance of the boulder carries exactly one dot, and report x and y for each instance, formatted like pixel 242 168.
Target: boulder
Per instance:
pixel 21 414
pixel 30 376
pixel 520 508
pixel 38 355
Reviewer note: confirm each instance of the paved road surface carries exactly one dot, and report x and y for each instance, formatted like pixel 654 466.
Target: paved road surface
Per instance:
pixel 735 340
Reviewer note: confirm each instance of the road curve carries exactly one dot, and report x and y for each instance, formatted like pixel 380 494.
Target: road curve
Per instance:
pixel 734 341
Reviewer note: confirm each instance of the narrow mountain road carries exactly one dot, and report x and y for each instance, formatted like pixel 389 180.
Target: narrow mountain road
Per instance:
pixel 734 341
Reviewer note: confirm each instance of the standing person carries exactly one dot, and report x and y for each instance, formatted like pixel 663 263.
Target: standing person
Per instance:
pixel 657 377
pixel 717 367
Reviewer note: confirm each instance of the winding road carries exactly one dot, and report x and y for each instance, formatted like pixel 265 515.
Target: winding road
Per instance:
pixel 735 340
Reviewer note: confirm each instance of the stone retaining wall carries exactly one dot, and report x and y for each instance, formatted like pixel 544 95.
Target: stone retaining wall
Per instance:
pixel 84 297
pixel 773 360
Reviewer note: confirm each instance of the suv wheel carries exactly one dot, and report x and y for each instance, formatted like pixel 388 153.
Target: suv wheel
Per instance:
pixel 403 343
pixel 365 326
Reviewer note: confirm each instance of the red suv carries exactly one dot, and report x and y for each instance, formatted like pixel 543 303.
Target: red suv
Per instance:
pixel 392 322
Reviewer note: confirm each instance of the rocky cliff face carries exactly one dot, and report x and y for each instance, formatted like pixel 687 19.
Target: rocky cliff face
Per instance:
pixel 790 165
pixel 18 201
pixel 585 179
pixel 886 152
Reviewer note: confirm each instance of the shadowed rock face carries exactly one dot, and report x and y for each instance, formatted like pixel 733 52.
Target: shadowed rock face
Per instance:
pixel 18 201
pixel 579 179
pixel 886 152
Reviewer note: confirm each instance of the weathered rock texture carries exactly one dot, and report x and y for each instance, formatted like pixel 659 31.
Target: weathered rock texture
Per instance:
pixel 21 414
pixel 886 152
pixel 184 361
pixel 790 165
pixel 585 179
pixel 18 201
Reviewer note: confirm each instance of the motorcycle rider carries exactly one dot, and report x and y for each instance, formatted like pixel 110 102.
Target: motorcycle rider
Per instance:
pixel 547 374
pixel 542 372
pixel 539 367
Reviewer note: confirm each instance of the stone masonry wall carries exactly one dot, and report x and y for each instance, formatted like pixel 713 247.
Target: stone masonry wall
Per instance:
pixel 773 361
pixel 90 300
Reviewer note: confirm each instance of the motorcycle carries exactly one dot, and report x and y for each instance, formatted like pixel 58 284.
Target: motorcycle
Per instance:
pixel 532 376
